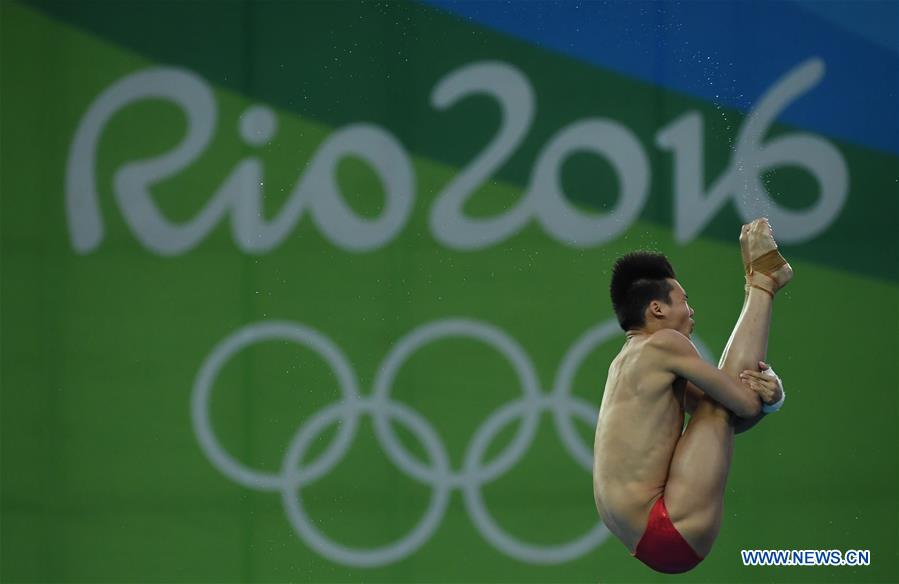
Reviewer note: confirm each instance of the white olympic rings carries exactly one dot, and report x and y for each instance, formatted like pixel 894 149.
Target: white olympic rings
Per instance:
pixel 293 475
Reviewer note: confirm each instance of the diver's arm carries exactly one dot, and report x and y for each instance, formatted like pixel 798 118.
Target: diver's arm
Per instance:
pixel 679 356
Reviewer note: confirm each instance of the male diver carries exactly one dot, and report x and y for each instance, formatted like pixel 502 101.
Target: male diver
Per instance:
pixel 659 487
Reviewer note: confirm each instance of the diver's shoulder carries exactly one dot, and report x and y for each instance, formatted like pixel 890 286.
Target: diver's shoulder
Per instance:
pixel 668 340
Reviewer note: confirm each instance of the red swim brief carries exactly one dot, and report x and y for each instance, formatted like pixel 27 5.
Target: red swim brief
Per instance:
pixel 662 548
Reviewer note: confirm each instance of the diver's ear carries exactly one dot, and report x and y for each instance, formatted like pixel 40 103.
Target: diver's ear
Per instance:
pixel 656 309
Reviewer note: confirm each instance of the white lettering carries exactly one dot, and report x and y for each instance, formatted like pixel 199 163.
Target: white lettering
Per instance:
pixel 750 160
pixel 515 96
pixel 316 190
pixel 623 151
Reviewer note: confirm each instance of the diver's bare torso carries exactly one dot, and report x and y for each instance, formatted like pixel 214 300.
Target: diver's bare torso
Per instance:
pixel 640 421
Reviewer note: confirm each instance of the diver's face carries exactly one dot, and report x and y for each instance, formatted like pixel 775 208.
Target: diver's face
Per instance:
pixel 680 313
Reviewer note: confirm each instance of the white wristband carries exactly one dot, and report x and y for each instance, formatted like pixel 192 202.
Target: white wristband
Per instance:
pixel 771 408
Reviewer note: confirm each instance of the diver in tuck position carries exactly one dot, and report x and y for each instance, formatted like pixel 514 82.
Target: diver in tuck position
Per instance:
pixel 657 486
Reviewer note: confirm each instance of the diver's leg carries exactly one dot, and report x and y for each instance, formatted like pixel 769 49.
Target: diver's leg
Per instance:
pixel 748 342
pixel 694 493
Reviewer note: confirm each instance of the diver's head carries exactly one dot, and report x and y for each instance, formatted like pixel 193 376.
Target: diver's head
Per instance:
pixel 646 295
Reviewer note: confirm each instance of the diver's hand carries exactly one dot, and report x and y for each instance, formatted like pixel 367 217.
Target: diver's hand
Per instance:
pixel 765 383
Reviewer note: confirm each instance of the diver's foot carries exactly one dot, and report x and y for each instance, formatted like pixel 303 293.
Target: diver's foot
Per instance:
pixel 768 270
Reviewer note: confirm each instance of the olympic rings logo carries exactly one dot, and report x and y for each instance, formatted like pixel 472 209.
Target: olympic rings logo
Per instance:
pixel 474 474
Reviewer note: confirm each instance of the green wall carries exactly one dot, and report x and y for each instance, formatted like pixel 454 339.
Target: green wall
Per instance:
pixel 341 375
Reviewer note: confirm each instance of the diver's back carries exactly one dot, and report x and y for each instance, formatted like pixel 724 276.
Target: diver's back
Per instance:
pixel 640 421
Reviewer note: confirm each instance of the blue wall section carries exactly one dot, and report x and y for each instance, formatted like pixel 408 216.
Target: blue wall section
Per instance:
pixel 690 47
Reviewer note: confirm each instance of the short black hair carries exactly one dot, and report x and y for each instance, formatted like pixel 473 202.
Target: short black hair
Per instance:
pixel 638 278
